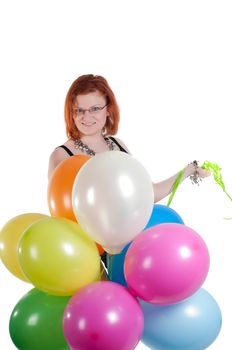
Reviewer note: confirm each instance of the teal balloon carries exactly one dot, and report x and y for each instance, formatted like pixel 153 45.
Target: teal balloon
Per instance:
pixel 192 324
pixel 161 214
pixel 36 322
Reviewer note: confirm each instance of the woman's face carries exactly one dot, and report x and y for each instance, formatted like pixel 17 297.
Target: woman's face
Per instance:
pixel 90 113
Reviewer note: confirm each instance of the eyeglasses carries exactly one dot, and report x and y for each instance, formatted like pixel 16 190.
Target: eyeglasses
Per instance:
pixel 92 110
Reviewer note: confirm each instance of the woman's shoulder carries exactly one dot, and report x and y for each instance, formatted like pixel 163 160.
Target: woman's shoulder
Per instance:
pixel 65 150
pixel 61 151
pixel 121 143
pixel 56 157
pixel 59 154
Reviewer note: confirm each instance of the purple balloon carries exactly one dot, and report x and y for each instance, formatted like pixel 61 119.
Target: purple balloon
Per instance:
pixel 102 316
pixel 166 263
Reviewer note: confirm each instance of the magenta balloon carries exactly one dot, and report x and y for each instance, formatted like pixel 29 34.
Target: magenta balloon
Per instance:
pixel 102 316
pixel 166 263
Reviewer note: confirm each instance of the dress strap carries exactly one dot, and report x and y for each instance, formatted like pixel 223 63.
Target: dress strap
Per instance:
pixel 70 153
pixel 118 144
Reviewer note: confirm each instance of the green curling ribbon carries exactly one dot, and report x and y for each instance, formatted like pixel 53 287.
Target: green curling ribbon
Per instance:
pixel 175 186
pixel 213 168
pixel 216 171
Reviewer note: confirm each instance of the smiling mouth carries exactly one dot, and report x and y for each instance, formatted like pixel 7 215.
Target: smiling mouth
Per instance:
pixel 88 124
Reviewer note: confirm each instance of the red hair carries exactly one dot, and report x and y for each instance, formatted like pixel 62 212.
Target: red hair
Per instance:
pixel 84 85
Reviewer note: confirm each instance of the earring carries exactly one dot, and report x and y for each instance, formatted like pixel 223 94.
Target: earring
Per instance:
pixel 104 131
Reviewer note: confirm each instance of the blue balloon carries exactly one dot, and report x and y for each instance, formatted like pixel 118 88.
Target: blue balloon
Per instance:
pixel 161 214
pixel 192 324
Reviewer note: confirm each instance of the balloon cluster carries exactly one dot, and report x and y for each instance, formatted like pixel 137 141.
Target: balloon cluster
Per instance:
pixel 165 267
pixel 156 265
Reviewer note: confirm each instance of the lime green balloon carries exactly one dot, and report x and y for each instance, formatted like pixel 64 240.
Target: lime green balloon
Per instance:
pixel 58 257
pixel 36 322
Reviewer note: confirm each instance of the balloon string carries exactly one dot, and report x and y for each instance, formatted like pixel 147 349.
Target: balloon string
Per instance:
pixel 102 271
pixel 175 186
pixel 110 266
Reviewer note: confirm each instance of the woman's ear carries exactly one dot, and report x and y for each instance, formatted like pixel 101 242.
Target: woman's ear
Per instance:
pixel 111 120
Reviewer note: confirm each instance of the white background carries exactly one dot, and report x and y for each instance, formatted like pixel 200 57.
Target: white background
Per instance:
pixel 169 64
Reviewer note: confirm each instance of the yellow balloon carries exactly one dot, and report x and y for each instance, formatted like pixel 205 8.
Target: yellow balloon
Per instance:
pixel 58 257
pixel 9 239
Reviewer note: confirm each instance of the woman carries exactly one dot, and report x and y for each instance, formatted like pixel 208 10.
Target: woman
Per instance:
pixel 92 116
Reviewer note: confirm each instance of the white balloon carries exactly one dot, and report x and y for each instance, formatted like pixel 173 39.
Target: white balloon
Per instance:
pixel 112 199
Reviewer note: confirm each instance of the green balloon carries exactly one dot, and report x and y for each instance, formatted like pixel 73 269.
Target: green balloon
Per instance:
pixel 36 322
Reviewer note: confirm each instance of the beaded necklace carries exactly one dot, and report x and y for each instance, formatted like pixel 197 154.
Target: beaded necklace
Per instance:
pixel 78 144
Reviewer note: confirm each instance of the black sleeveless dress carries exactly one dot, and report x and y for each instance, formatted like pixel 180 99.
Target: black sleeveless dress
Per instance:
pixel 70 153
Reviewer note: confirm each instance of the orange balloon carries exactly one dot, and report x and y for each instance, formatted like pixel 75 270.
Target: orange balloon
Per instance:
pixel 61 184
pixel 100 249
pixel 60 188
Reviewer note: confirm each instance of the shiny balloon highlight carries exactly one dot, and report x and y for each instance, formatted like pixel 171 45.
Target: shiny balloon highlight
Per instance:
pixel 192 324
pixel 113 199
pixel 36 322
pixel 10 236
pixel 166 263
pixel 160 214
pixel 58 257
pixel 103 316
pixel 61 184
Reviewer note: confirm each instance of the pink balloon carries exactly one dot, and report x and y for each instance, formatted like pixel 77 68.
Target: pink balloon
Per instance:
pixel 166 263
pixel 102 316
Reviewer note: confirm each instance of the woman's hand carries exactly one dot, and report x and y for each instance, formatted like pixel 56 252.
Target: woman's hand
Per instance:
pixel 196 173
pixel 192 168
pixel 203 172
